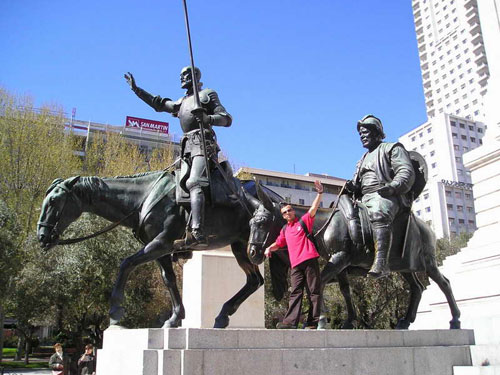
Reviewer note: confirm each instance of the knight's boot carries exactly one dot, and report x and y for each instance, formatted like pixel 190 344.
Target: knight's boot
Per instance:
pixel 383 240
pixel 196 237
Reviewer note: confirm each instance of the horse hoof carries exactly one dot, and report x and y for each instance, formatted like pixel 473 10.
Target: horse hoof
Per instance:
pixel 171 324
pixel 455 324
pixel 116 314
pixel 322 323
pixel 114 327
pixel 347 325
pixel 403 324
pixel 221 322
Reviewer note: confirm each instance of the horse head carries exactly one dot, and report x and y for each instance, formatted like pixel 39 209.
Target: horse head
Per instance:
pixel 265 225
pixel 60 208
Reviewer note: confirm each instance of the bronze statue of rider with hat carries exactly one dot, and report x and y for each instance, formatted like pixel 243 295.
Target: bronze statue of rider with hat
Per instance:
pixel 382 182
pixel 192 149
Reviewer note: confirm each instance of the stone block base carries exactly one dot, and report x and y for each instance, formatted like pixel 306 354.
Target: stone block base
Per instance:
pixel 191 351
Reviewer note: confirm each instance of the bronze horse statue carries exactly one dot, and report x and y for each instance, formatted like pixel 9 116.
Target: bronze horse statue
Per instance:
pixel 345 258
pixel 147 204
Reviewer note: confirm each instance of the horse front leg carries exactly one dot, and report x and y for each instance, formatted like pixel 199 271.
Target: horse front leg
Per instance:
pixel 168 275
pixel 416 290
pixel 148 253
pixel 337 263
pixel 345 289
pixel 253 282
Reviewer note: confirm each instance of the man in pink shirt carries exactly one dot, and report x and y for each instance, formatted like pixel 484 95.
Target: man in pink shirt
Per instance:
pixel 303 261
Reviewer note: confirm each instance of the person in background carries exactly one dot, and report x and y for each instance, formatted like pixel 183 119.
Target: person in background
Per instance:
pixel 59 362
pixel 86 363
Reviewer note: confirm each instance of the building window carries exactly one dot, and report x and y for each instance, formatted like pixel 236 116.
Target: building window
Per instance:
pixel 456 148
pixel 469 209
pixel 449 206
pixel 431 141
pixel 433 165
pixel 471 222
pixel 461 221
pixel 427 209
pixel 459 172
pixel 468 196
pixel 454 135
pixel 413 139
pixel 429 130
pixel 420 135
pixel 432 153
pixel 479 130
pixel 453 123
pixel 458 159
pixel 466 148
pixel 426 196
pixel 472 139
pixel 458 194
pixel 471 128
pixel 418 213
pixel 301 201
pixel 460 208
pixel 447 193
pixel 463 137
pixel 451 220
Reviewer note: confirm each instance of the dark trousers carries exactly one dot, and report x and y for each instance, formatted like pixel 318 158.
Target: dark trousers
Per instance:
pixel 305 274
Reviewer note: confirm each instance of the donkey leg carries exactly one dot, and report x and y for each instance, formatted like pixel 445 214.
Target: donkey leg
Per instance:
pixel 416 289
pixel 345 289
pixel 337 263
pixel 254 281
pixel 148 253
pixel 168 275
pixel 445 286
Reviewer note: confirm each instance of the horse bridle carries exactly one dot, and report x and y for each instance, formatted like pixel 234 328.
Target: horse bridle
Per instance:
pixel 266 214
pixel 53 227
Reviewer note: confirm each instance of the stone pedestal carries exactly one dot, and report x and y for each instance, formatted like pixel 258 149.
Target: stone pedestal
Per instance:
pixel 474 272
pixel 210 278
pixel 193 351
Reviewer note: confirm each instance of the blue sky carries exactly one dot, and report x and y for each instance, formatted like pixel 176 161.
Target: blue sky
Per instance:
pixel 295 75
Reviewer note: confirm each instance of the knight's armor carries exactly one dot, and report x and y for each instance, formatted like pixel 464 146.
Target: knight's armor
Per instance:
pixel 191 143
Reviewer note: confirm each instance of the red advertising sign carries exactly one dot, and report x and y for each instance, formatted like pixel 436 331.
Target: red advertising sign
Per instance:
pixel 150 125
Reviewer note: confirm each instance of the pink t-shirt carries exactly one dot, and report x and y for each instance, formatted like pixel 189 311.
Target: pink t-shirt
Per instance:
pixel 300 248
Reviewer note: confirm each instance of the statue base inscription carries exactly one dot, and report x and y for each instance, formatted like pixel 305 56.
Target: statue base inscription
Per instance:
pixel 194 351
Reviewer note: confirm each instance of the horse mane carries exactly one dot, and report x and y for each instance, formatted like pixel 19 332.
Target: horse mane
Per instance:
pixel 141 174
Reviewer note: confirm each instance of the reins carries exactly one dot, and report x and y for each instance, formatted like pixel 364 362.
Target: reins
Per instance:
pixel 115 224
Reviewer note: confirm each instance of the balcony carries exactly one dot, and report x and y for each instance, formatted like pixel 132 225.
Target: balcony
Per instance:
pixel 415 6
pixel 483 79
pixel 424 66
pixel 482 69
pixel 481 58
pixel 476 28
pixel 473 18
pixel 476 39
pixel 478 50
pixel 470 3
pixel 421 48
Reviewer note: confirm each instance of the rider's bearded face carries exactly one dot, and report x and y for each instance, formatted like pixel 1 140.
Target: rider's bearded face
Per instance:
pixel 369 137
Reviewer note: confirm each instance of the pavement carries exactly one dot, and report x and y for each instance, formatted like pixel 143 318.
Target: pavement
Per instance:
pixel 31 371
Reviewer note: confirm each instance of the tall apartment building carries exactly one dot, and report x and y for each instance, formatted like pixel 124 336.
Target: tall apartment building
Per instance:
pixel 447 201
pixel 455 77
pixel 452 57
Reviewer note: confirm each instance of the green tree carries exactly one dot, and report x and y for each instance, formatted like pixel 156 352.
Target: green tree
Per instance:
pixel 10 261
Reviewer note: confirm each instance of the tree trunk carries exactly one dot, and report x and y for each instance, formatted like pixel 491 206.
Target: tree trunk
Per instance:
pixel 20 346
pixel 2 321
pixel 27 351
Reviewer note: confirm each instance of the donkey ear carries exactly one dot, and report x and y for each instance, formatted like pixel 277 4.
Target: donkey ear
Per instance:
pixel 254 202
pixel 54 183
pixel 263 197
pixel 70 182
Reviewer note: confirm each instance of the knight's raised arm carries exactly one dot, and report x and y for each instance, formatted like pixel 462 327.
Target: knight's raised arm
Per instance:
pixel 158 103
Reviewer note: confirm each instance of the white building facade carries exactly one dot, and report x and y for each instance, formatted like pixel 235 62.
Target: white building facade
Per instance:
pixel 455 77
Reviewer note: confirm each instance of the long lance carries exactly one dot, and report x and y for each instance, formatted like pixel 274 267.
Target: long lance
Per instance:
pixel 197 111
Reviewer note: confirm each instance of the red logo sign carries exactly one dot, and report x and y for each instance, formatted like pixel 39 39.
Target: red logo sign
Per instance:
pixel 150 125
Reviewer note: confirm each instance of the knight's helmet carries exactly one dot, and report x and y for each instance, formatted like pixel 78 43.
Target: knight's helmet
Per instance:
pixel 371 121
pixel 187 69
